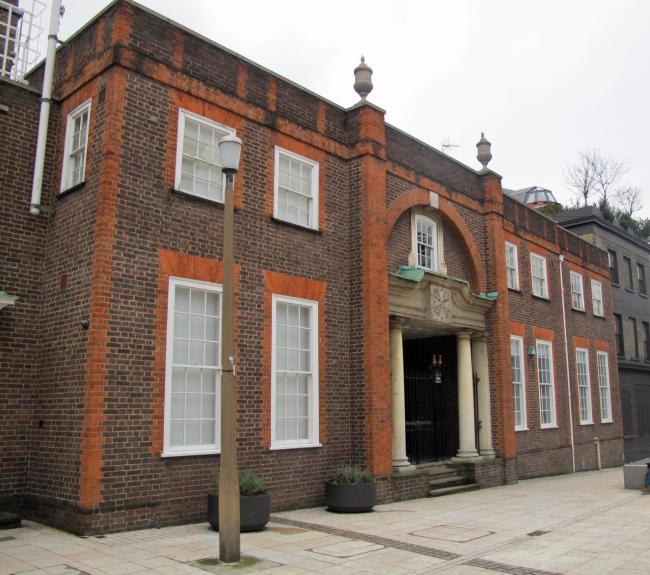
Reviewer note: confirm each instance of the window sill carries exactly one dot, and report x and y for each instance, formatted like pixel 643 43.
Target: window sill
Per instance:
pixel 599 316
pixel 195 197
pixel 616 285
pixel 297 226
pixel 72 188
pixel 516 290
pixel 295 446
pixel 585 423
pixel 579 310
pixel 522 429
pixel 629 290
pixel 189 453
pixel 554 426
pixel 643 295
pixel 541 298
pixel 607 421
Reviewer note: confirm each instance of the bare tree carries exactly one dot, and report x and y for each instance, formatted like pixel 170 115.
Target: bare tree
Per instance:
pixel 607 170
pixel 580 177
pixel 629 200
pixel 594 173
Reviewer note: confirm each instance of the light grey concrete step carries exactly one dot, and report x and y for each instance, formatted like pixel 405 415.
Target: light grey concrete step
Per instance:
pixel 439 492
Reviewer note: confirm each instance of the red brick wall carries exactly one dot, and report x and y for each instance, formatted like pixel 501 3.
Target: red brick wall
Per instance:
pixel 21 245
pixel 107 253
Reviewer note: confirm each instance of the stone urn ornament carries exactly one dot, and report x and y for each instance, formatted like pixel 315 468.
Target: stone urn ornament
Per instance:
pixel 363 79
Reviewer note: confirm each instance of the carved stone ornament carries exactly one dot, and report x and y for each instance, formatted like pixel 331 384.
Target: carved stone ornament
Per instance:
pixel 441 304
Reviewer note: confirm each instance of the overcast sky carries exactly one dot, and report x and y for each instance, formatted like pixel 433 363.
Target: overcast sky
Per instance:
pixel 543 80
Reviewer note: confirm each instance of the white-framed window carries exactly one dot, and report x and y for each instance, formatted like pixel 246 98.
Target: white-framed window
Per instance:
pixel 512 266
pixel 546 380
pixel 584 385
pixel 76 145
pixel 597 298
pixel 198 165
pixel 538 275
pixel 294 373
pixel 603 385
pixel 193 368
pixel 577 294
pixel 426 238
pixel 296 189
pixel 518 381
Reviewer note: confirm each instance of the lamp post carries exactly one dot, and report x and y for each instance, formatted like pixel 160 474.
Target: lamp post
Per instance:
pixel 229 150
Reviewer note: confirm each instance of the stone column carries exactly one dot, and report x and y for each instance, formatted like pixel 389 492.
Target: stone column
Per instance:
pixel 467 443
pixel 480 364
pixel 400 461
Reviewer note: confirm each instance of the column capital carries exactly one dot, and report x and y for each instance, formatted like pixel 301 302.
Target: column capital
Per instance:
pixel 396 322
pixel 480 337
pixel 464 335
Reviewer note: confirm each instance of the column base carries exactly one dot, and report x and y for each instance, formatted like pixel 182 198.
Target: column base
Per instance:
pixel 488 453
pixel 402 466
pixel 462 457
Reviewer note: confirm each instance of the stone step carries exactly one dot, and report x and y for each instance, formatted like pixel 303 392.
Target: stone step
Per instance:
pixel 435 482
pixel 439 492
pixel 9 520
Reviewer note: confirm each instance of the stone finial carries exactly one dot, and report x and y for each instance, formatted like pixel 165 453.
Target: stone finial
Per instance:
pixel 363 79
pixel 484 151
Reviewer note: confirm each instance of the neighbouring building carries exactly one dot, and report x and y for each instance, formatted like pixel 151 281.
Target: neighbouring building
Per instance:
pixel 393 307
pixel 629 261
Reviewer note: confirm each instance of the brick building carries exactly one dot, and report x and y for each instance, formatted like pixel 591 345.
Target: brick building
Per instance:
pixel 388 297
pixel 629 258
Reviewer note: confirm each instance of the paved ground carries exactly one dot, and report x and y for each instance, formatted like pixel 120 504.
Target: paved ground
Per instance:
pixel 584 524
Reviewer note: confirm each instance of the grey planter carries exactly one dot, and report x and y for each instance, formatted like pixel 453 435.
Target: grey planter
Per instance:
pixel 350 497
pixel 254 512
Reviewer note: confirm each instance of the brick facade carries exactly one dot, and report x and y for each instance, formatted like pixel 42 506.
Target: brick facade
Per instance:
pixel 83 410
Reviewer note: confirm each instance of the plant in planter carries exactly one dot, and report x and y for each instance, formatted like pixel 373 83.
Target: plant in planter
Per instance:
pixel 254 503
pixel 352 489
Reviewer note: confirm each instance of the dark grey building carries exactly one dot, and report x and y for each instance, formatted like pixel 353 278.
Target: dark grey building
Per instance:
pixel 629 261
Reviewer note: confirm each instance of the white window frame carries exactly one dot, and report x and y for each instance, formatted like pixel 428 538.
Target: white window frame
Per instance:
pixel 597 298
pixel 553 423
pixel 187 115
pixel 66 173
pixel 314 400
pixel 584 387
pixel 315 178
pixel 512 270
pixel 543 277
pixel 604 388
pixel 521 384
pixel 168 450
pixel 577 291
pixel 437 258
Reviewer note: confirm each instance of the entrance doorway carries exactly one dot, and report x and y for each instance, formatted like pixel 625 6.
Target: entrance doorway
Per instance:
pixel 431 399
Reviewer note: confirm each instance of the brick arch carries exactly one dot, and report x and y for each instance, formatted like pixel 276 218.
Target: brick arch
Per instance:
pixel 420 197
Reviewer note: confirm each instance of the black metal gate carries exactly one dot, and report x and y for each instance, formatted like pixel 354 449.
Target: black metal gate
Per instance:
pixel 430 418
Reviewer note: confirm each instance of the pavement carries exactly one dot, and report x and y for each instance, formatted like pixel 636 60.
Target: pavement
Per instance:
pixel 581 524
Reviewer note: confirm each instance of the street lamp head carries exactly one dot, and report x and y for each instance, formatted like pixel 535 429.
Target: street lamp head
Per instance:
pixel 230 151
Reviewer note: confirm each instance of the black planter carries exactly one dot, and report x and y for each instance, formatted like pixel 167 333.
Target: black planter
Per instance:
pixel 254 512
pixel 350 497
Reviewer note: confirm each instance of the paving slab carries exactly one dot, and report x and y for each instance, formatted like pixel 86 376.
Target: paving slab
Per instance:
pixel 581 524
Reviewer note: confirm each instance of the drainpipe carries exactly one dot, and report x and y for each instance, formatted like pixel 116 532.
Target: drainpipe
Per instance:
pixel 568 368
pixel 46 101
pixel 597 444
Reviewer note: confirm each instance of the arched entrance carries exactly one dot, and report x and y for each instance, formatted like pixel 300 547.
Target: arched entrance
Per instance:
pixel 439 369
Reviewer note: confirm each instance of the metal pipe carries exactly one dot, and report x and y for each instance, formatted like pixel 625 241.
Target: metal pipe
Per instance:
pixel 597 443
pixel 568 368
pixel 46 100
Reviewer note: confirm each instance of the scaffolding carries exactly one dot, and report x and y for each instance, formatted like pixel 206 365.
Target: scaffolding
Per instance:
pixel 21 28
